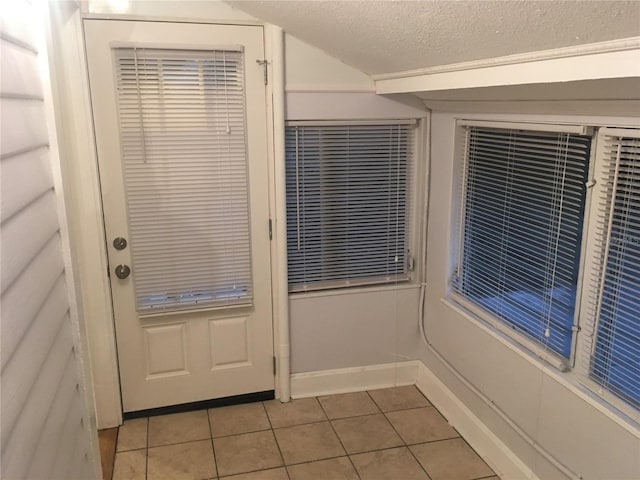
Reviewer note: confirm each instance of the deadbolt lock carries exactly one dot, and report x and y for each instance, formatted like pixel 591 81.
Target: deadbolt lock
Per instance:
pixel 122 271
pixel 119 243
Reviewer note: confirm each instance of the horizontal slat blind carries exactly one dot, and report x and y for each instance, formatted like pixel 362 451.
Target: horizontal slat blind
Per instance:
pixel 613 317
pixel 347 204
pixel 182 131
pixel 521 229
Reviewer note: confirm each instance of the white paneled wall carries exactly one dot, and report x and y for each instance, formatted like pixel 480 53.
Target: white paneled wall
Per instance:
pixel 45 431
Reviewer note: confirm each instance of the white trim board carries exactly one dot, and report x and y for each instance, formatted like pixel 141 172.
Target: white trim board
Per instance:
pixel 344 380
pixel 499 457
pixel 354 379
pixel 329 88
pixel 614 59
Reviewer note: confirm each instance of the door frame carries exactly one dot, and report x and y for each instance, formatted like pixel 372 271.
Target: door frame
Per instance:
pixel 82 191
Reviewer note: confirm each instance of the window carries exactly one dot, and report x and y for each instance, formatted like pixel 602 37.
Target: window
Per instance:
pixel 520 229
pixel 347 203
pixel 182 134
pixel 613 314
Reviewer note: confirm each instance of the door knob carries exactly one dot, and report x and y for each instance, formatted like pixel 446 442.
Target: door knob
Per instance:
pixel 119 243
pixel 122 271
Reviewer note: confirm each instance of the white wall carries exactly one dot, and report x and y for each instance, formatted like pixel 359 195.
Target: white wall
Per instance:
pixel 546 404
pixel 48 427
pixel 309 69
pixel 331 330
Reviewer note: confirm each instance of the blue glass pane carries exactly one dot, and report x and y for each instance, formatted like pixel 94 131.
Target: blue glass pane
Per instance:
pixel 524 209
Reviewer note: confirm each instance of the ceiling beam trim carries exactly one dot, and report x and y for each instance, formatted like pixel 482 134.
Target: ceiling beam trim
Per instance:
pixel 613 59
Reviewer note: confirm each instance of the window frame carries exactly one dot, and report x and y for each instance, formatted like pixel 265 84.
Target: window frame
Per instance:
pixel 458 211
pixel 586 344
pixel 415 171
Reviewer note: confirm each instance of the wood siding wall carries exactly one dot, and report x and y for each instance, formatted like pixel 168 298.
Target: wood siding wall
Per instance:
pixel 44 426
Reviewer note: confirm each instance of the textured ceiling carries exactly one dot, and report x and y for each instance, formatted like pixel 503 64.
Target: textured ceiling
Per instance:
pixel 392 36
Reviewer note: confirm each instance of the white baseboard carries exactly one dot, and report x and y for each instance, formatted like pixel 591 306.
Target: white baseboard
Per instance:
pixel 356 379
pixel 499 457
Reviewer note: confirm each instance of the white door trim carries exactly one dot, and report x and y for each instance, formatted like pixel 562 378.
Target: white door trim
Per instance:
pixel 84 206
pixel 83 196
pixel 274 48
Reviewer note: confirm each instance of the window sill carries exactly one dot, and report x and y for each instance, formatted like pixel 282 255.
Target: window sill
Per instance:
pixel 355 290
pixel 567 379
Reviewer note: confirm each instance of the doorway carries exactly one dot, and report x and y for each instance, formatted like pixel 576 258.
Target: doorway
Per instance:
pixel 180 124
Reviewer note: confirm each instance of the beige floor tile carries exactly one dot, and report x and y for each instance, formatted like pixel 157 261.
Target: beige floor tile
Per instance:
pixel 396 463
pixel 398 398
pixel 451 460
pixel 295 412
pixel 131 465
pixel 348 405
pixel 363 434
pixel 246 453
pixel 178 428
pixel 273 474
pixel 305 443
pixel 420 425
pixel 237 419
pixel 184 461
pixel 332 469
pixel 132 435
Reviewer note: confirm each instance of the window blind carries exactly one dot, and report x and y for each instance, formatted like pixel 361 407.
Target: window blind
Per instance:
pixel 523 199
pixel 182 136
pixel 613 316
pixel 347 203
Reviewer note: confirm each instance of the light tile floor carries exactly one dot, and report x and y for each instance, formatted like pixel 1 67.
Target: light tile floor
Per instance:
pixel 391 433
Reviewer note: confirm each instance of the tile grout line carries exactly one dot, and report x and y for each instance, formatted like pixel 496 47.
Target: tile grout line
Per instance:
pixel 338 436
pixel 407 444
pixel 479 456
pixel 115 452
pixel 273 433
pixel 455 430
pixel 400 436
pixel 213 447
pixel 146 452
pixel 181 443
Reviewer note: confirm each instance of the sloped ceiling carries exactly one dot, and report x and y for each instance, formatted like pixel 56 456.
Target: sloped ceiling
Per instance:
pixel 380 37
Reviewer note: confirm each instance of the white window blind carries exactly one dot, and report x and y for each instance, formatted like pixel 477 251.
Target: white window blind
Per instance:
pixel 522 208
pixel 613 316
pixel 182 134
pixel 347 203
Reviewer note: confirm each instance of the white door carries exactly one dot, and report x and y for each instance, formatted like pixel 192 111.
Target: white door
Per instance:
pixel 180 124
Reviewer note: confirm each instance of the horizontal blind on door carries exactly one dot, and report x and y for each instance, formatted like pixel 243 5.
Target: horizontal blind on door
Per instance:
pixel 347 204
pixel 182 134
pixel 613 316
pixel 521 229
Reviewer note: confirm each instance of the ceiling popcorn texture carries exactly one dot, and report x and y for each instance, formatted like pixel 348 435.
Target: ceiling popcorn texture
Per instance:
pixel 392 36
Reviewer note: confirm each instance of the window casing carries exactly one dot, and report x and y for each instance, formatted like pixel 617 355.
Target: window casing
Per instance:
pixel 522 209
pixel 611 326
pixel 348 203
